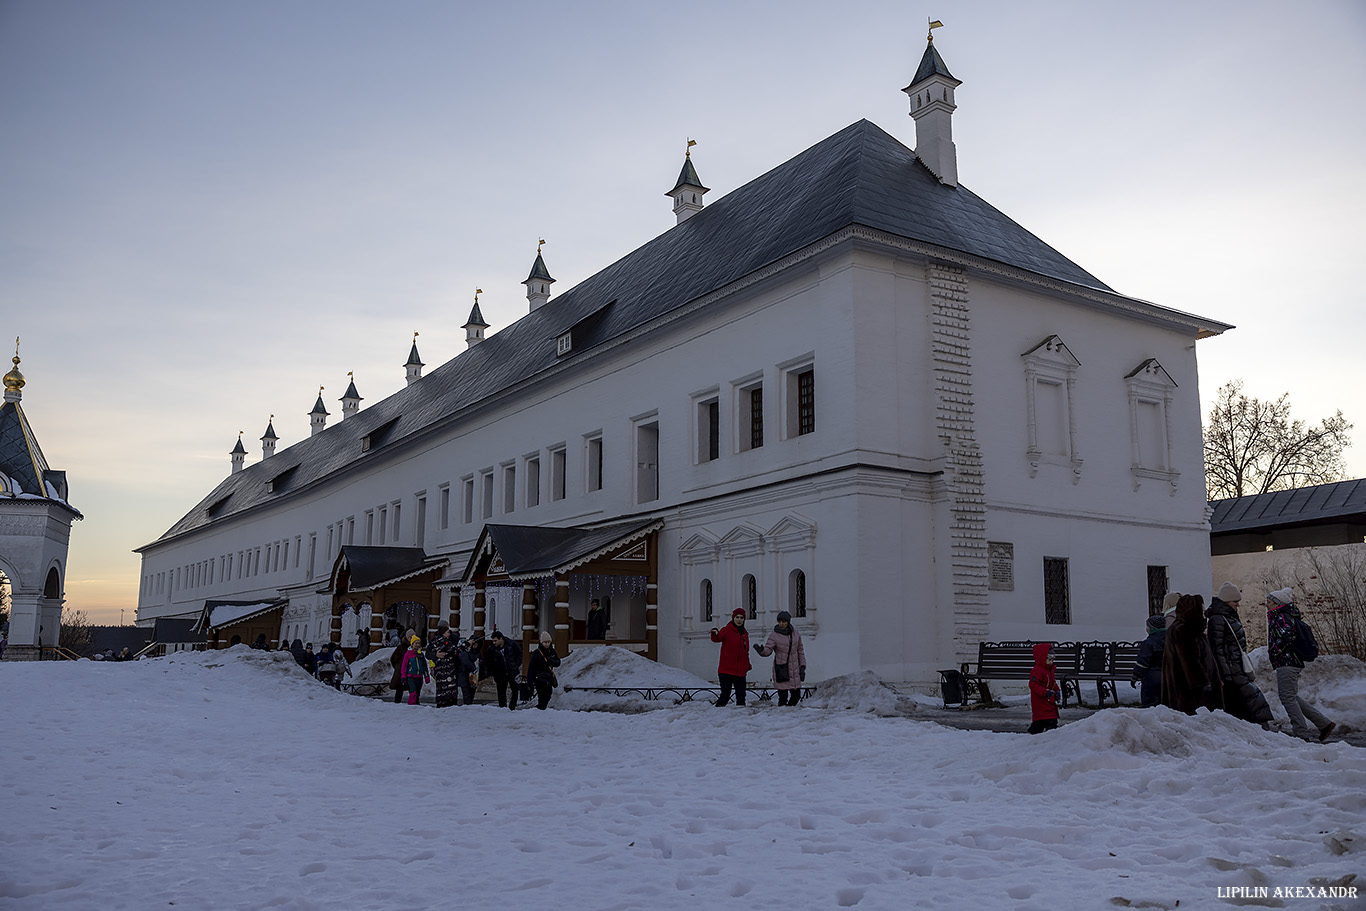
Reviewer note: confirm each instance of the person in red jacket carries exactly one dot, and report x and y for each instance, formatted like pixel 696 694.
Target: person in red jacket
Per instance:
pixel 1043 690
pixel 734 664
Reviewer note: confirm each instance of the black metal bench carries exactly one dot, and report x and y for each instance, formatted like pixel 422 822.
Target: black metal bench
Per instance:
pixel 995 661
pixel 1105 663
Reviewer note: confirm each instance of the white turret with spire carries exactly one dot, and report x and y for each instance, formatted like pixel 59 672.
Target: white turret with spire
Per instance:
pixel 352 399
pixel 318 416
pixel 932 106
pixel 688 191
pixel 414 365
pixel 474 327
pixel 239 454
pixel 268 439
pixel 538 282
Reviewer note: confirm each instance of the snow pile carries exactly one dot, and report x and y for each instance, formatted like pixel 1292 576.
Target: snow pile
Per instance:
pixel 114 767
pixel 613 666
pixel 373 668
pixel 864 692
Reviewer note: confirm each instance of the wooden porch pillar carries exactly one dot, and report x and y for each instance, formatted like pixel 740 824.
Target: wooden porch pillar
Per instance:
pixel 652 621
pixel 562 615
pixel 454 616
pixel 376 624
pixel 529 631
pixel 478 631
pixel 434 613
pixel 334 628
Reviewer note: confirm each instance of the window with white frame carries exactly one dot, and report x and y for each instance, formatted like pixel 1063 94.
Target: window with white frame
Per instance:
pixel 467 507
pixel 708 425
pixel 799 398
pixel 592 451
pixel 509 488
pixel 444 506
pixel 558 466
pixel 1050 382
pixel 749 414
pixel 1151 391
pixel 533 481
pixel 488 493
pixel 647 461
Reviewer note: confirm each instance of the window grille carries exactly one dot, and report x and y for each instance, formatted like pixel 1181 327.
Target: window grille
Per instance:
pixel 1056 601
pixel 1157 588
pixel 806 402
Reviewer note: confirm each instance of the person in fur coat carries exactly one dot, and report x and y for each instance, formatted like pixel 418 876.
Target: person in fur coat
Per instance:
pixel 1190 678
pixel 789 659
pixel 1227 640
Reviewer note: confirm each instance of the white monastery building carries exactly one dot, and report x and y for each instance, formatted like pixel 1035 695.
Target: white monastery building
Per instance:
pixel 850 389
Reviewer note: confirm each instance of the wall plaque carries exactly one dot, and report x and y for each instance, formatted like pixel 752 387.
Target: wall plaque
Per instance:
pixel 1001 566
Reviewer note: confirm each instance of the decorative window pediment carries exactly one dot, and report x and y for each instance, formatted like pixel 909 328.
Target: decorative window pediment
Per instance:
pixel 792 532
pixel 1150 402
pixel 1050 380
pixel 743 540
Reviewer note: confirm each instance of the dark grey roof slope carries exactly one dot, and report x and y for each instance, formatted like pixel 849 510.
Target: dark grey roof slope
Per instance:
pixel 532 550
pixel 931 64
pixel 688 177
pixel 539 271
pixel 1320 504
pixel 374 567
pixel 858 176
pixel 20 456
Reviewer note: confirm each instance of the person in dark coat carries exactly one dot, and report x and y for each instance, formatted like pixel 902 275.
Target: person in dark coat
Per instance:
pixel 734 662
pixel 296 648
pixel 1227 640
pixel 1190 678
pixel 326 670
pixel 445 665
pixel 362 642
pixel 1043 690
pixel 1282 616
pixel 260 644
pixel 467 670
pixel 541 670
pixel 396 678
pixel 1148 664
pixel 597 620
pixel 503 660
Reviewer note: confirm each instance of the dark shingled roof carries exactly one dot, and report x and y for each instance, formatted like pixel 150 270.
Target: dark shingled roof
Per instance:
pixel 319 407
pixel 20 456
pixel 539 271
pixel 1317 505
pixel 931 64
pixel 270 432
pixel 476 318
pixel 413 359
pixel 858 176
pixel 535 550
pixel 374 567
pixel 351 392
pixel 688 177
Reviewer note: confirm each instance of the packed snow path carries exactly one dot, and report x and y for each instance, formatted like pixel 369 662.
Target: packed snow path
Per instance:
pixel 230 780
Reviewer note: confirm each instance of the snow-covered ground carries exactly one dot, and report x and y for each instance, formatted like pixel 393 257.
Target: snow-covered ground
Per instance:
pixel 232 780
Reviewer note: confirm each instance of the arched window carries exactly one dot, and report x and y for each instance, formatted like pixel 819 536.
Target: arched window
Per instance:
pixel 52 588
pixel 751 589
pixel 796 593
pixel 708 613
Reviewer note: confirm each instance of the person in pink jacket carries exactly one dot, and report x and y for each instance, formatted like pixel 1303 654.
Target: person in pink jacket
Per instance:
pixel 734 663
pixel 789 659
pixel 414 670
pixel 1043 690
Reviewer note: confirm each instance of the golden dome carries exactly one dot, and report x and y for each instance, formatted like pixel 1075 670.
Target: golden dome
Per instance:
pixel 14 380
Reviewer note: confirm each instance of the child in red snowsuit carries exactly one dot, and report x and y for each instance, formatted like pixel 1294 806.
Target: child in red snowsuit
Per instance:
pixel 1043 690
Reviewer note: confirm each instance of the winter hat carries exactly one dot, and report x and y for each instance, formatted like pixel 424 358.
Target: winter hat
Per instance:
pixel 1228 593
pixel 1169 602
pixel 1281 596
pixel 546 638
pixel 1156 622
pixel 738 612
pixel 784 615
pixel 416 642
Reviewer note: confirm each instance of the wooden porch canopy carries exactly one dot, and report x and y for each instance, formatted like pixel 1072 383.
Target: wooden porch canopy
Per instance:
pixel 523 553
pixel 220 620
pixel 385 576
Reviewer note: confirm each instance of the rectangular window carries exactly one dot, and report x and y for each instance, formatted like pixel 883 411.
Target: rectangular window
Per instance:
pixel 420 529
pixel 329 542
pixel 533 482
pixel 799 408
pixel 647 462
pixel 488 494
pixel 1152 444
pixel 509 488
pixel 398 522
pixel 381 526
pixel 467 511
pixel 298 549
pixel 557 473
pixel 312 553
pixel 749 411
pixel 708 430
pixel 369 528
pixel 593 463
pixel 1057 603
pixel 445 507
pixel 1157 588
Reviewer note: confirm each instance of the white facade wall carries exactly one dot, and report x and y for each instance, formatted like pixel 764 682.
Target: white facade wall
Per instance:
pixel 860 506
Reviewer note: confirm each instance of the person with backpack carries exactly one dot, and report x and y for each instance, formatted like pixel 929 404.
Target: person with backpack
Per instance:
pixel 1290 643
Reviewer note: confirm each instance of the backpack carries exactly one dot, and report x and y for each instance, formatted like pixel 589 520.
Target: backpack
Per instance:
pixel 1305 645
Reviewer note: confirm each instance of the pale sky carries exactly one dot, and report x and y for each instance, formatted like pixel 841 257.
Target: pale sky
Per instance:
pixel 207 210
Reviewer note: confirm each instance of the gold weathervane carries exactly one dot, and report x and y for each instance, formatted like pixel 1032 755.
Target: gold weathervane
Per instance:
pixel 934 24
pixel 539 244
pixel 687 153
pixel 477 292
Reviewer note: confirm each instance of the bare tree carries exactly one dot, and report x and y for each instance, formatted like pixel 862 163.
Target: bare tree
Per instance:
pixel 1334 583
pixel 75 634
pixel 1253 447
